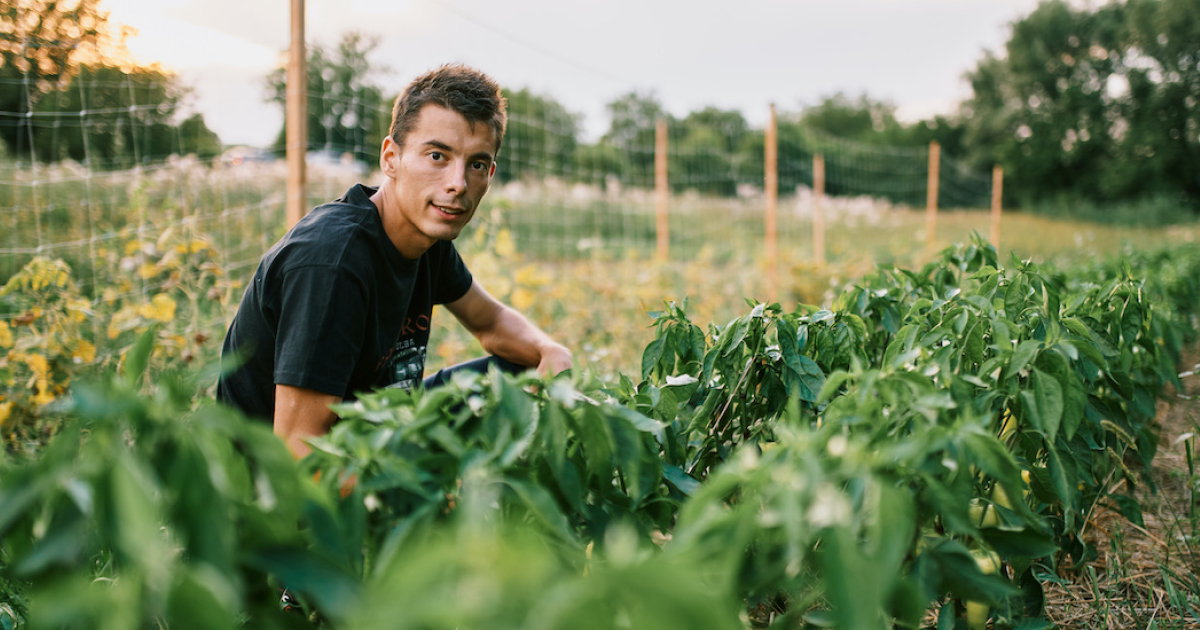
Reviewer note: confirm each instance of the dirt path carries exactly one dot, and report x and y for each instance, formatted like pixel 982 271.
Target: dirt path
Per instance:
pixel 1147 577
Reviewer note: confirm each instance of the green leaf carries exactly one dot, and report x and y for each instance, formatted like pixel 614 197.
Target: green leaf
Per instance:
pixel 682 481
pixel 20 497
pixel 734 335
pixel 202 597
pixel 1015 297
pixel 948 567
pixel 138 357
pixel 1130 508
pixel 63 546
pixel 1025 352
pixel 1025 543
pixel 539 502
pixel 1062 481
pixel 852 587
pixel 894 533
pixel 1074 396
pixel 833 384
pixel 973 347
pixel 803 377
pixel 681 387
pixel 805 380
pixel 638 421
pixel 1131 321
pixel 136 514
pixel 652 355
pixel 949 502
pixel 1048 395
pixel 334 591
pixel 597 442
pixel 990 455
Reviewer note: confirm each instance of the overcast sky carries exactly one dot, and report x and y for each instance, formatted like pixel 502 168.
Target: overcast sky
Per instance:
pixel 738 54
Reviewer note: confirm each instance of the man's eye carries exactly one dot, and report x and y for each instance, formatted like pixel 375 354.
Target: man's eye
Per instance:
pixel 480 166
pixel 436 156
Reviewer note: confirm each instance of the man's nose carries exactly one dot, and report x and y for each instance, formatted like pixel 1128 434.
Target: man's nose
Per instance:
pixel 456 178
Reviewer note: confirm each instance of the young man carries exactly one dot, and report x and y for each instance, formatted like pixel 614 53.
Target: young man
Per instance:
pixel 342 303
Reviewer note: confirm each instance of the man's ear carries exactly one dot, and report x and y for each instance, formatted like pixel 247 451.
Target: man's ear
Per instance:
pixel 389 152
pixel 492 171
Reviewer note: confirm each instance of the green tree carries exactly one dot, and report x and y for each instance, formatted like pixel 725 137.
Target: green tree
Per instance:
pixel 42 44
pixel 1158 144
pixel 793 151
pixel 540 140
pixel 599 163
pixel 1092 104
pixel 195 137
pixel 862 119
pixel 115 118
pixel 633 119
pixel 77 94
pixel 704 151
pixel 347 112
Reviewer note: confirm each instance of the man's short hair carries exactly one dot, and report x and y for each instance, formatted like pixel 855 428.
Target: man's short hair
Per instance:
pixel 459 88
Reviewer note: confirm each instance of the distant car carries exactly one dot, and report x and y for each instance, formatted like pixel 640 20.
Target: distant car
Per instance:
pixel 334 159
pixel 238 155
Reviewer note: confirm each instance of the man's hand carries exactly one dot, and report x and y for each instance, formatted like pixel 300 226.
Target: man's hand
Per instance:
pixel 506 333
pixel 555 360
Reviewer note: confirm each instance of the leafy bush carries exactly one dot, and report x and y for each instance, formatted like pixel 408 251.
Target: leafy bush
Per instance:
pixel 935 441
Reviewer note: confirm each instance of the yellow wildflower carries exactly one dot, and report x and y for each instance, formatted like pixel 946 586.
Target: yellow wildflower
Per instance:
pixel 6 336
pixel 160 308
pixel 148 270
pixel 37 363
pixel 5 412
pixel 85 352
pixel 532 276
pixel 78 309
pixel 523 298
pixel 505 247
pixel 44 394
pixel 123 320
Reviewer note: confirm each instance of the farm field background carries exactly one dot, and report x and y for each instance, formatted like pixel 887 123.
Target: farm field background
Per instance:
pixel 688 363
pixel 578 260
pixel 899 426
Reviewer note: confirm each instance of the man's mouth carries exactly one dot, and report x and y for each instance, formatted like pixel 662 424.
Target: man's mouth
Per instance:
pixel 450 210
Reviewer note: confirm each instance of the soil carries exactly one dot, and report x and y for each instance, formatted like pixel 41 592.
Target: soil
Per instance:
pixel 1146 577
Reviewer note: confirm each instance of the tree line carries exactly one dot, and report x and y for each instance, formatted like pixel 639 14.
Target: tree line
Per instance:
pixel 1083 104
pixel 60 60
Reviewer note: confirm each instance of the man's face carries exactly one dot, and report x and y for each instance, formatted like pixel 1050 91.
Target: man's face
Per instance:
pixel 437 178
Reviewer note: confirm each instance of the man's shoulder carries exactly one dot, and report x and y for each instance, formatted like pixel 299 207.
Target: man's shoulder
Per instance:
pixel 352 217
pixel 355 207
pixel 335 234
pixel 357 196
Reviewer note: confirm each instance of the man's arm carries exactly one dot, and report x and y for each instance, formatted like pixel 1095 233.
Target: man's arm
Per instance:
pixel 505 333
pixel 300 414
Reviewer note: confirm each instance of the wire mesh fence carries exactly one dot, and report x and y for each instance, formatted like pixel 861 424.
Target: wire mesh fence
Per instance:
pixel 107 189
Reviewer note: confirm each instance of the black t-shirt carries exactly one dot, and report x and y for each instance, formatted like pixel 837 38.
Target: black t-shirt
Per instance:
pixel 335 308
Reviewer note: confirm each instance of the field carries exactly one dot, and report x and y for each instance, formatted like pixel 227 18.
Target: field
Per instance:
pixel 897 437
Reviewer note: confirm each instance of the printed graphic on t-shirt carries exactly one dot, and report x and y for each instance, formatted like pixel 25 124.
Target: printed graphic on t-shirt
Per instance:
pixel 407 364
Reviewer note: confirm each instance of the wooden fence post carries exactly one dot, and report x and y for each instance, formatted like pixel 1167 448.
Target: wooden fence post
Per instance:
pixel 997 190
pixel 819 208
pixel 297 118
pixel 662 192
pixel 772 191
pixel 931 199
